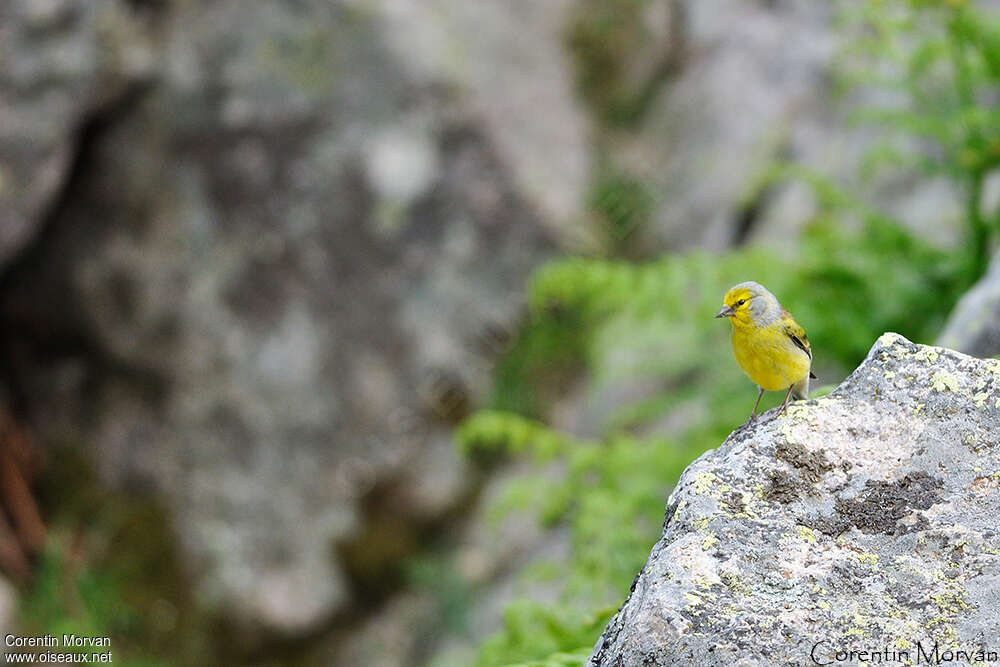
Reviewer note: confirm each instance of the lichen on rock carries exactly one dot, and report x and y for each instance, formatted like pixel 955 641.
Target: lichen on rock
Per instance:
pixel 864 520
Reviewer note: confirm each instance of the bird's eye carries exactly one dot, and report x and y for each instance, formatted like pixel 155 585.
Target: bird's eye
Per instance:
pixel 741 302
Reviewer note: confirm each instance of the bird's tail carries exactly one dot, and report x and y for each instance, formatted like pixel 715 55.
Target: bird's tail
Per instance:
pixel 800 390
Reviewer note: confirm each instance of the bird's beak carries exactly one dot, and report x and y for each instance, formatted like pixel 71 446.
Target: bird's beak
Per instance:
pixel 725 312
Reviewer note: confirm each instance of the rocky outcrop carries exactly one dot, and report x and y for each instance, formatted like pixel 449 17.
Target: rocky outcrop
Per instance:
pixel 272 285
pixel 861 521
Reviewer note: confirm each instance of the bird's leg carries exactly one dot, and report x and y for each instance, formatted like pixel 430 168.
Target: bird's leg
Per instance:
pixel 753 415
pixel 787 395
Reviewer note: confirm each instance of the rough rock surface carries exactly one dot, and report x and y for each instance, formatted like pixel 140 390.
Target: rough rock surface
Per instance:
pixel 974 325
pixel 865 520
pixel 508 57
pixel 753 87
pixel 268 293
pixel 61 63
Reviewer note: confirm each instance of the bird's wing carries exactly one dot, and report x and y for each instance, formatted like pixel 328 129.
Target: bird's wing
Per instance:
pixel 796 333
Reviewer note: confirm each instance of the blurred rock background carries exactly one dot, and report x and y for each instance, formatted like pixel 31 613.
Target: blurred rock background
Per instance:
pixel 258 260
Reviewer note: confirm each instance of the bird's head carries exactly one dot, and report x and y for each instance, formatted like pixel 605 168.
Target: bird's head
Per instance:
pixel 750 304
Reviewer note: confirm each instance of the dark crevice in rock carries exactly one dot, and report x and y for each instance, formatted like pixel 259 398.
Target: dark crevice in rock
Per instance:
pixel 669 515
pixel 747 216
pixel 152 6
pixel 39 322
pixel 751 212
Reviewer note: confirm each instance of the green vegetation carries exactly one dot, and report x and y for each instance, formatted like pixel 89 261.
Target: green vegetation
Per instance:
pixel 933 69
pixel 855 274
pixel 623 205
pixel 110 569
pixel 655 321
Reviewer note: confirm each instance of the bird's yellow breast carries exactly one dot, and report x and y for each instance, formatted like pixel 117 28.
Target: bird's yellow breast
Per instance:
pixel 769 356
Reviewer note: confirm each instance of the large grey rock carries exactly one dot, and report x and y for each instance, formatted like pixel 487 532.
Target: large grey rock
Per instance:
pixel 739 99
pixel 974 325
pixel 862 520
pixel 61 63
pixel 752 88
pixel 277 281
pixel 508 59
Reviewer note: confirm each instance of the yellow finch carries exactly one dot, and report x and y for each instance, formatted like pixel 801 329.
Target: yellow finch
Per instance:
pixel 769 345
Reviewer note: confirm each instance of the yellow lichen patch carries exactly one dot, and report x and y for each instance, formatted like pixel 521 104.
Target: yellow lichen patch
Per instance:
pixel 868 558
pixel 796 410
pixel 980 399
pixel 703 481
pixel 889 338
pixel 888 341
pixel 807 534
pixel 951 601
pixel 944 381
pixel 693 599
pixel 927 355
pixel 709 542
pixel 735 584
